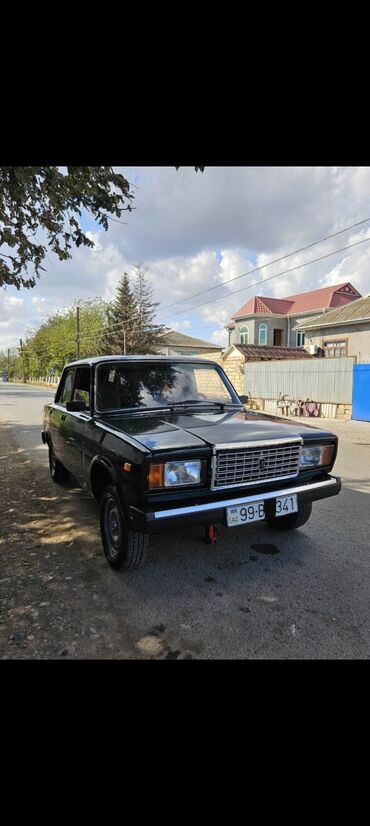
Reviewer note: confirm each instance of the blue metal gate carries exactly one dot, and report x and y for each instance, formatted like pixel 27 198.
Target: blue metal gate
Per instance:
pixel 361 392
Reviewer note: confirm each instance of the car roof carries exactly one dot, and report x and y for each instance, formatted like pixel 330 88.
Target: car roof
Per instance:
pixel 165 359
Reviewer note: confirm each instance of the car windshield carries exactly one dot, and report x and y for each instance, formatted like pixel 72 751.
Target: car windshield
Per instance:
pixel 124 385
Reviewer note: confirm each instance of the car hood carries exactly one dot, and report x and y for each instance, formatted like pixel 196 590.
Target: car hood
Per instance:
pixel 175 431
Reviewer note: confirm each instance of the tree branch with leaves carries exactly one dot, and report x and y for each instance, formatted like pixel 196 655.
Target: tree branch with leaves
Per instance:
pixel 43 198
pixel 34 198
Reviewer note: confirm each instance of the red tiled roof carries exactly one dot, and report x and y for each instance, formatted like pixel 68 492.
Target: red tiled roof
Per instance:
pixel 261 305
pixel 324 298
pixel 358 310
pixel 258 352
pixel 248 309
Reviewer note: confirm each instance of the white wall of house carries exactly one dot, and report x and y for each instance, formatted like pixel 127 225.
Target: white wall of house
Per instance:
pixel 294 321
pixel 249 324
pixel 357 336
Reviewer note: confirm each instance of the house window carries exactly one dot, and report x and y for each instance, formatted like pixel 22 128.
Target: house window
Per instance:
pixel 335 349
pixel 262 334
pixel 300 339
pixel 244 335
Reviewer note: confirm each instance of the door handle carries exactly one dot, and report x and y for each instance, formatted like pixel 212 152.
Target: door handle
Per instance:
pixel 63 416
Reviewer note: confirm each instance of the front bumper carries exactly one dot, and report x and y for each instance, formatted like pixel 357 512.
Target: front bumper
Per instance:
pixel 212 512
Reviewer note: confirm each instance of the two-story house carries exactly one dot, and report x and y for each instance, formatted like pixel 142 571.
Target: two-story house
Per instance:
pixel 273 321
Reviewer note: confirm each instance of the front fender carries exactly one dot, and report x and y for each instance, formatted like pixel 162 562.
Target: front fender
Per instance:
pixel 103 467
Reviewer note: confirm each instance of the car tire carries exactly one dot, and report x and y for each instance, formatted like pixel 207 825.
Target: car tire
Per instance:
pixel 124 549
pixel 294 520
pixel 58 472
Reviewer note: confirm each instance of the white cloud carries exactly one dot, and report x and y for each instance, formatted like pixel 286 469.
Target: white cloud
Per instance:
pixel 95 238
pixel 38 303
pixel 197 231
pixel 12 301
pixel 220 337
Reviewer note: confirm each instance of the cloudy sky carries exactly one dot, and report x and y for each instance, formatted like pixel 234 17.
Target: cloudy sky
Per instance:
pixel 198 231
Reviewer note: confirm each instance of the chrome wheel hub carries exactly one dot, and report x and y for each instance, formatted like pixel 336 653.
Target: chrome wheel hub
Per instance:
pixel 112 528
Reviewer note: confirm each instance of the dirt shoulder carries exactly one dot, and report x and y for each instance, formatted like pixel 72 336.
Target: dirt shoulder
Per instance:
pixel 55 589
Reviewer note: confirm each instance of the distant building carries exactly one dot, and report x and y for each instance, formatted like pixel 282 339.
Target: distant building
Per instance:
pixel 274 321
pixel 344 331
pixel 177 344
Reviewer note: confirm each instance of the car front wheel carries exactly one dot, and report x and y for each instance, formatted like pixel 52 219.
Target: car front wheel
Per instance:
pixel 294 520
pixel 123 548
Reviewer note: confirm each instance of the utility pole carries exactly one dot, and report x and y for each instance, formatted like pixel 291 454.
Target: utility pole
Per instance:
pixel 21 343
pixel 8 364
pixel 78 333
pixel 124 342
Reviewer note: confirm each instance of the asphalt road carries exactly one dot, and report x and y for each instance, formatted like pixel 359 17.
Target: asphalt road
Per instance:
pixel 255 594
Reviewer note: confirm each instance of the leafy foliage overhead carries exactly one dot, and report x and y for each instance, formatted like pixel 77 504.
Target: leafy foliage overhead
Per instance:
pixel 45 199
pixel 34 198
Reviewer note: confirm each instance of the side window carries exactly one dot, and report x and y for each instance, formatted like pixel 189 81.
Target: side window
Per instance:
pixel 244 335
pixel 262 336
pixel 81 391
pixel 67 387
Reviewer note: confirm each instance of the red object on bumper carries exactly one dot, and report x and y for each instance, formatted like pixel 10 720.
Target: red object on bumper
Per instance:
pixel 210 534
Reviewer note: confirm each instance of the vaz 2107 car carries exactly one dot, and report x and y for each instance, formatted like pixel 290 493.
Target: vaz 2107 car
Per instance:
pixel 164 442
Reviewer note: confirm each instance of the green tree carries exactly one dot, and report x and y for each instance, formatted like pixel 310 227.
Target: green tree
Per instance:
pixel 121 320
pixel 42 198
pixel 15 364
pixel 146 330
pixel 54 343
pixel 131 325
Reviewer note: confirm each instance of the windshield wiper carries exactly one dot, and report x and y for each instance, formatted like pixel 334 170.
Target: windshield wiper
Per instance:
pixel 189 402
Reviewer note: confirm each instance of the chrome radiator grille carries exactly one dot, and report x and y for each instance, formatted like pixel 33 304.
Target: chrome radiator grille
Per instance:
pixel 248 465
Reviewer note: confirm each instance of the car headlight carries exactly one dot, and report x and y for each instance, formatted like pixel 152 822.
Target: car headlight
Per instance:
pixel 316 455
pixel 174 474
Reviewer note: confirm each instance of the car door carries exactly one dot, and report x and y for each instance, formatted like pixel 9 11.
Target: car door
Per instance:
pixel 57 414
pixel 74 426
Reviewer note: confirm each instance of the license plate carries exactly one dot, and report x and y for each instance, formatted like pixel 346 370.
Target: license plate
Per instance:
pixel 286 504
pixel 244 514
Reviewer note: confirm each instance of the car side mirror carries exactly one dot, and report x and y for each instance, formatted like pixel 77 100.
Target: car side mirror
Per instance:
pixel 76 407
pixel 243 399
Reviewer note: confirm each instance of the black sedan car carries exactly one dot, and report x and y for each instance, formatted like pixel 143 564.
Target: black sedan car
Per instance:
pixel 165 442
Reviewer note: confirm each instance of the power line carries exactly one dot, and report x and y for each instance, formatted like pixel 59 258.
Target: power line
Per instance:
pixel 263 280
pixel 241 289
pixel 254 284
pixel 262 267
pixel 109 328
